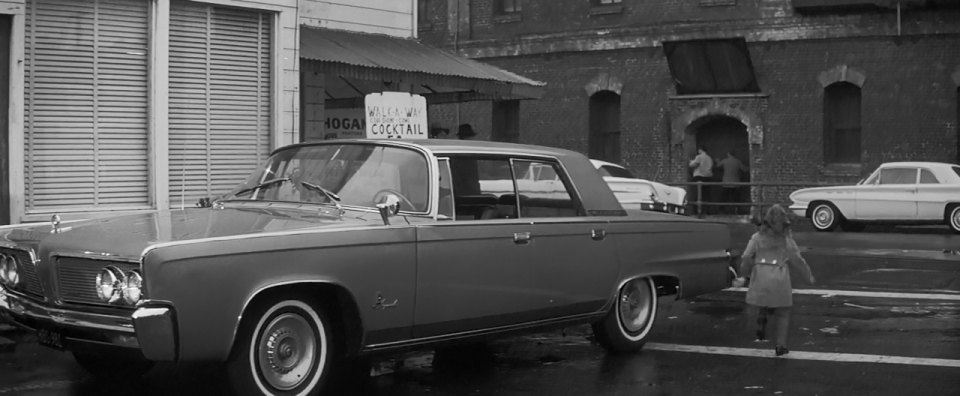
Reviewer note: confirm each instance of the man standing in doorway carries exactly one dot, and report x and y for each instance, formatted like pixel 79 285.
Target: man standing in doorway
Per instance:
pixel 702 166
pixel 732 168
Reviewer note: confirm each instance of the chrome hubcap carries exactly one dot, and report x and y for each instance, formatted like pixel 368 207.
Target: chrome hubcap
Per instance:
pixel 955 219
pixel 286 351
pixel 635 305
pixel 823 216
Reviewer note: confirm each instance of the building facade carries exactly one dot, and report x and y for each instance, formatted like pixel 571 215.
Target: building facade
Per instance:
pixel 120 106
pixel 802 91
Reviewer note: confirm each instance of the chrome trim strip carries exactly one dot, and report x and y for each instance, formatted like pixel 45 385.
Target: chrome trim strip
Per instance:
pixel 99 256
pixel 438 338
pixel 270 234
pixel 16 305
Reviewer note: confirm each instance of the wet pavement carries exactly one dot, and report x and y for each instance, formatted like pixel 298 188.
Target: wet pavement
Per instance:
pixel 879 322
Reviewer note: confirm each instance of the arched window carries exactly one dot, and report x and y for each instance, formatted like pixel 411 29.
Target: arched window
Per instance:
pixel 841 123
pixel 604 139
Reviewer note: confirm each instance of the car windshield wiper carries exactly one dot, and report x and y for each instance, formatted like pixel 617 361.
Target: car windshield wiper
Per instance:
pixel 262 185
pixel 333 197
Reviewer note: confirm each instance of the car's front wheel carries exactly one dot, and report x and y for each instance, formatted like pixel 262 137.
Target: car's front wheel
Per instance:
pixel 953 218
pixel 825 217
pixel 626 327
pixel 284 347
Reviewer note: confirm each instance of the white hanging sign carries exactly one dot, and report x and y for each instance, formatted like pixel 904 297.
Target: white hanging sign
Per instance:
pixel 396 115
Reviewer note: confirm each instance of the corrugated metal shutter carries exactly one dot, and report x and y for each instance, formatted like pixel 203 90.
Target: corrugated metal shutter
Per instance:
pixel 219 98
pixel 85 92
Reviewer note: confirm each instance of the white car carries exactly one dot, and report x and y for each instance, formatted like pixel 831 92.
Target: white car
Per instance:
pixel 895 193
pixel 641 193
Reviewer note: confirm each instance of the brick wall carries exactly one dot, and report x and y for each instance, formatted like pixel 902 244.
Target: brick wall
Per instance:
pixel 908 107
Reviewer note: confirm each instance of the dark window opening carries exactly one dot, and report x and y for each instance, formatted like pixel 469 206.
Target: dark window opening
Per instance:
pixel 423 17
pixel 604 139
pixel 508 6
pixel 841 123
pixel 711 66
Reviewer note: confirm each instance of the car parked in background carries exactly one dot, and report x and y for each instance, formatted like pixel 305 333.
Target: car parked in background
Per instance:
pixel 895 193
pixel 337 250
pixel 640 193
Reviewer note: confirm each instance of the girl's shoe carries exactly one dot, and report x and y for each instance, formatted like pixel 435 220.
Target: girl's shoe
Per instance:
pixel 761 335
pixel 781 350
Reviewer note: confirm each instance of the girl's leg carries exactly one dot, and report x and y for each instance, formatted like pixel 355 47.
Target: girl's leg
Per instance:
pixel 782 316
pixel 762 323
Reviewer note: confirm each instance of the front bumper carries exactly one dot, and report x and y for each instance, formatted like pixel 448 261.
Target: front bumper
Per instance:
pixel 151 328
pixel 799 209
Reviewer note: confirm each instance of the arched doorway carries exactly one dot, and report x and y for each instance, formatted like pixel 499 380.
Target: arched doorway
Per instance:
pixel 720 135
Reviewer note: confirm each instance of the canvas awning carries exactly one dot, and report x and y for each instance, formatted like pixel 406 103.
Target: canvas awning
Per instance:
pixel 360 63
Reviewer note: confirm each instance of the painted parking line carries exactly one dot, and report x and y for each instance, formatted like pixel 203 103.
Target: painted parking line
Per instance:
pixel 855 293
pixel 802 355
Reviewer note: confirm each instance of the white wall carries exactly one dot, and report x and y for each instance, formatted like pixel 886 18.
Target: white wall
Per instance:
pixel 390 17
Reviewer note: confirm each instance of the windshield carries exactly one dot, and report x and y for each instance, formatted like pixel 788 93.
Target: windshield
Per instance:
pixel 350 174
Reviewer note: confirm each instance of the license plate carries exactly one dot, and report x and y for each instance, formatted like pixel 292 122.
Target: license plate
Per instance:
pixel 51 338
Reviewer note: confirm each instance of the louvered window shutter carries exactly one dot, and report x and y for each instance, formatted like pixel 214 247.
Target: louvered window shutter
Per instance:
pixel 219 98
pixel 85 105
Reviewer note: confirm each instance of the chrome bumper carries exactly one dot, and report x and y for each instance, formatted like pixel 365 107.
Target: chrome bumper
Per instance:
pixel 150 328
pixel 799 209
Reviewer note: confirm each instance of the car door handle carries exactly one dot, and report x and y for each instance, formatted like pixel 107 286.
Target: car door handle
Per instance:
pixel 598 234
pixel 521 238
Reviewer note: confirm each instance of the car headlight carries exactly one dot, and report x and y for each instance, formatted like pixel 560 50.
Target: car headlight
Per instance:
pixel 9 270
pixel 110 283
pixel 132 287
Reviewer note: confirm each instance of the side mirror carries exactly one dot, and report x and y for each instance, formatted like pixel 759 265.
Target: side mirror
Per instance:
pixel 388 206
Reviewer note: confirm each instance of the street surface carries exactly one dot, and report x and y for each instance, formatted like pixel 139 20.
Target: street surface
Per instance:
pixel 884 319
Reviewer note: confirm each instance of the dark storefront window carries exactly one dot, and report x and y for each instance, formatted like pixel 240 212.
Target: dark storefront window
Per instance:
pixel 604 141
pixel 423 18
pixel 508 6
pixel 841 123
pixel 711 66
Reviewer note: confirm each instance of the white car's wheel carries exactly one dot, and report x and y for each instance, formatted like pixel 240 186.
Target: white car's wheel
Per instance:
pixel 626 327
pixel 284 348
pixel 825 217
pixel 953 218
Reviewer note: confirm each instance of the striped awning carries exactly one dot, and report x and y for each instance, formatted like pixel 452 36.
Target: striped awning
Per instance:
pixel 373 57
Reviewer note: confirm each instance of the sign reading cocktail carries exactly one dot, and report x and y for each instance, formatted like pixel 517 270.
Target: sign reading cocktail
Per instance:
pixel 396 115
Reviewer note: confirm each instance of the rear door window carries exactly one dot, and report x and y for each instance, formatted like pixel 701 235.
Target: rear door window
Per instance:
pixel 898 176
pixel 546 196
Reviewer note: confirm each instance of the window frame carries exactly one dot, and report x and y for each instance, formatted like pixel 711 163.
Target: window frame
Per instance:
pixel 837 97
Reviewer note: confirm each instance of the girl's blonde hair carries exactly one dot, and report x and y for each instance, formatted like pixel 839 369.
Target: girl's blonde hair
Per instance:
pixel 775 220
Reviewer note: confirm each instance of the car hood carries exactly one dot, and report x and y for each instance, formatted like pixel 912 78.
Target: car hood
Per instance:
pixel 127 236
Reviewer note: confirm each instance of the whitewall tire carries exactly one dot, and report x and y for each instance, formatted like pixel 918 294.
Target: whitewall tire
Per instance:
pixel 953 218
pixel 627 325
pixel 825 217
pixel 283 348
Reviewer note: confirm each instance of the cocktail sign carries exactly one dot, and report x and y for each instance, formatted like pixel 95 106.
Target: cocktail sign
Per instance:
pixel 396 115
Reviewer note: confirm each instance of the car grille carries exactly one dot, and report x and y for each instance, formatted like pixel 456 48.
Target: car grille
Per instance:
pixel 28 272
pixel 77 278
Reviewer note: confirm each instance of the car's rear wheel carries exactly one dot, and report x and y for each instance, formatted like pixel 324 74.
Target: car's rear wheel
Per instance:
pixel 953 218
pixel 113 364
pixel 626 326
pixel 825 217
pixel 284 347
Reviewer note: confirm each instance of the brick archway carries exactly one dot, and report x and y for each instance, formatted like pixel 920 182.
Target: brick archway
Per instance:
pixel 681 124
pixel 604 82
pixel 842 73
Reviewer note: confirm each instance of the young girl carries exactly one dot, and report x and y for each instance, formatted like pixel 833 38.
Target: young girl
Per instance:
pixel 765 262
